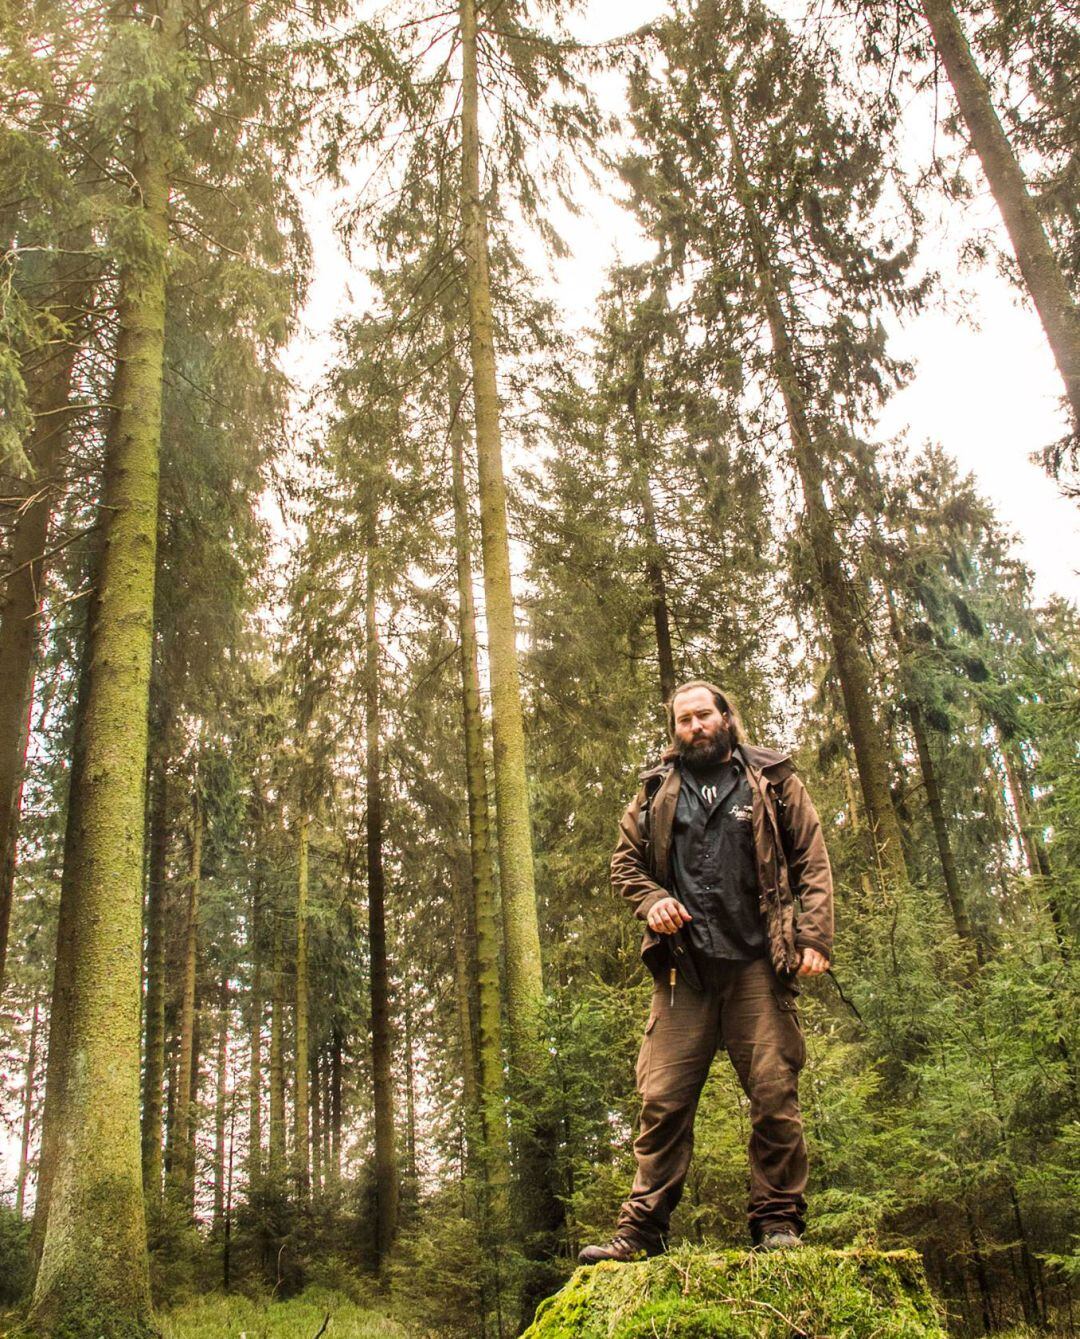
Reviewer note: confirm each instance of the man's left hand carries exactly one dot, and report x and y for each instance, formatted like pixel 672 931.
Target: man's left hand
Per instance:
pixel 813 963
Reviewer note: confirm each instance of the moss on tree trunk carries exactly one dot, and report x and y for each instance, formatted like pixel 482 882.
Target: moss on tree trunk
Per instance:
pixel 93 1279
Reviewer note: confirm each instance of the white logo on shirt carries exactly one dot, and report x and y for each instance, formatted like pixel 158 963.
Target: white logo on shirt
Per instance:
pixel 744 813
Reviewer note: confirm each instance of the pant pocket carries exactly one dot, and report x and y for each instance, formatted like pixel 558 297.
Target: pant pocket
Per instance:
pixel 792 1040
pixel 645 1056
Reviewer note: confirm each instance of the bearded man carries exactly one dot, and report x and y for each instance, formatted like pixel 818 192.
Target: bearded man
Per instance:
pixel 721 855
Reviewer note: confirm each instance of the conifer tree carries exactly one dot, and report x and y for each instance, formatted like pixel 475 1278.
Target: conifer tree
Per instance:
pixel 795 218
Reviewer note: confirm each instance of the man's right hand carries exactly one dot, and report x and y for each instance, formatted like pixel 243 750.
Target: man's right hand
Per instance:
pixel 667 916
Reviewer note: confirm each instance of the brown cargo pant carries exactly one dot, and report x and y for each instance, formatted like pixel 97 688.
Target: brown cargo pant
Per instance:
pixel 748 1010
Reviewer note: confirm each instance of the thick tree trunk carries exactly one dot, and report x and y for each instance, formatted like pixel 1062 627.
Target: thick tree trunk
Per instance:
pixel 254 1157
pixel 1041 272
pixel 154 1023
pixel 94 1268
pixel 276 1151
pixel 524 977
pixel 183 1169
pixel 838 599
pixel 654 571
pixel 485 947
pixel 386 1169
pixel 28 1110
pixel 49 391
pixel 301 1146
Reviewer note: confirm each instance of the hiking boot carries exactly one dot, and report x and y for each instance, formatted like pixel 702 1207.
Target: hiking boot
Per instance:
pixel 622 1249
pixel 779 1239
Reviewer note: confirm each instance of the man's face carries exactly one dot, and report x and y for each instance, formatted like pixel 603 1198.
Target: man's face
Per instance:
pixel 702 735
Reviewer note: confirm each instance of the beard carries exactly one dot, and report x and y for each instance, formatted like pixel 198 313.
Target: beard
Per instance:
pixel 709 751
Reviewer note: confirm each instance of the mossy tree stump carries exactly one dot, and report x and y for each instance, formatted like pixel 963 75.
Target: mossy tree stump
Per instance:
pixel 696 1294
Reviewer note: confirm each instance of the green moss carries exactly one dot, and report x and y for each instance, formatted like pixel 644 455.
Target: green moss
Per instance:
pixel 696 1294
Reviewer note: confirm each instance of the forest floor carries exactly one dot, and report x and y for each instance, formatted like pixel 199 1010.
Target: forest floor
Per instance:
pixel 221 1316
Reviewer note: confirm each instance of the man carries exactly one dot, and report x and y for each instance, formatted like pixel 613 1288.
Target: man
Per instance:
pixel 713 852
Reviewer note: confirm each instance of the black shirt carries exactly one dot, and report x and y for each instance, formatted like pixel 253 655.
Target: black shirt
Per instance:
pixel 713 863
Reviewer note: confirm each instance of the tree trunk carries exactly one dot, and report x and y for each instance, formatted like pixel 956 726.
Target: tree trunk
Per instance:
pixel 1038 265
pixel 49 392
pixel 324 1090
pixel 276 1149
pixel 28 1110
pixel 315 1088
pixel 335 1104
pixel 838 599
pixel 94 1269
pixel 154 1066
pixel 654 571
pixel 301 1146
pixel 64 966
pixel 220 1100
pixel 410 1105
pixel 485 948
pixel 254 1159
pixel 524 978
pixel 386 1171
pixel 953 892
pixel 183 1170
pixel 464 993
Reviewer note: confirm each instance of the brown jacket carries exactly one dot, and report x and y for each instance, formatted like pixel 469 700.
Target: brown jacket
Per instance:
pixel 641 863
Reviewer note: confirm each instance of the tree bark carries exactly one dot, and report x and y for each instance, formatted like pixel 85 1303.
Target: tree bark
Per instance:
pixel 315 1102
pixel 524 977
pixel 221 1079
pixel 1039 267
pixel 276 1151
pixel 94 1261
pixel 336 1047
pixel 28 1110
pixel 301 1146
pixel 838 599
pixel 464 994
pixel 411 1177
pixel 183 1169
pixel 254 1158
pixel 64 964
pixel 485 948
pixel 386 1169
pixel 154 1064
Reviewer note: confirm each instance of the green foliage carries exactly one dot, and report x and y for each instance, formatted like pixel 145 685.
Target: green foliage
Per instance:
pixel 15 1271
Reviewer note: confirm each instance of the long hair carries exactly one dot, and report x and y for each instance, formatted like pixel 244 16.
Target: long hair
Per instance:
pixel 723 703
